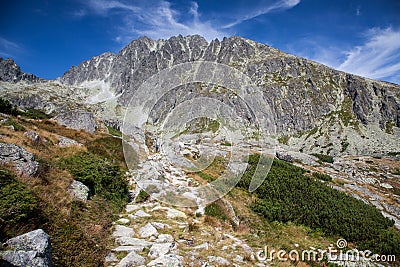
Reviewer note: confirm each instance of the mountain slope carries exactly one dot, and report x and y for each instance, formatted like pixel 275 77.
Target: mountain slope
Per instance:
pixel 307 99
pixel 11 72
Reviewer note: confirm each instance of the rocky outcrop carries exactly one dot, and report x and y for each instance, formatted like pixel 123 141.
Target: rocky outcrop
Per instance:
pixel 22 160
pixel 78 120
pixel 11 72
pixel 30 249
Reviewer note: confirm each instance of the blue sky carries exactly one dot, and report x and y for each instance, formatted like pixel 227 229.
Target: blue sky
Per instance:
pixel 46 37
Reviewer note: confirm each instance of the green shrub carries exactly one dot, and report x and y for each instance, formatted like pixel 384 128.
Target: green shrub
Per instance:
pixel 142 196
pixel 324 158
pixel 108 147
pixel 17 127
pixel 36 114
pixel 102 178
pixel 216 211
pixel 287 195
pixel 17 202
pixel 113 131
pixel 322 176
pixel 7 108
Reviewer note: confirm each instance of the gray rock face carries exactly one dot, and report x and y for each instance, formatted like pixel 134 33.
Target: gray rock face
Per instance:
pixel 78 120
pixel 79 191
pixel 303 95
pixel 30 249
pixel 11 72
pixel 23 161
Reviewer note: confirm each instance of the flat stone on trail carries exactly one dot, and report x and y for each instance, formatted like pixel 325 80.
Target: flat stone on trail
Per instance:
pixel 121 230
pixel 131 241
pixel 132 259
pixel 148 230
pixel 124 221
pixel 141 213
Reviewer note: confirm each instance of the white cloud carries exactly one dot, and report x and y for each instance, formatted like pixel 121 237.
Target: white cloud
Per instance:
pixel 8 48
pixel 377 58
pixel 277 6
pixel 156 20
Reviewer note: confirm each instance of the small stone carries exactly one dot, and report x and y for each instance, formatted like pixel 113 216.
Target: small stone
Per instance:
pixel 132 259
pixel 160 249
pixel 158 225
pixel 128 248
pixel 173 213
pixel 164 238
pixel 386 185
pixel 202 246
pixel 123 221
pixel 67 142
pixel 219 260
pixel 32 135
pixel 142 214
pixel 130 208
pixel 170 260
pixel 131 241
pixel 148 230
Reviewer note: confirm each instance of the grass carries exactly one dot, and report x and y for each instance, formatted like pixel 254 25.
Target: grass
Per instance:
pixel 389 127
pixel 322 176
pixel 79 231
pixel 284 139
pixel 15 124
pixel 114 132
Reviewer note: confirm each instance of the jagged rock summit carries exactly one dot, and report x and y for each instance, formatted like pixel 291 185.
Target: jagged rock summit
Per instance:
pixel 11 72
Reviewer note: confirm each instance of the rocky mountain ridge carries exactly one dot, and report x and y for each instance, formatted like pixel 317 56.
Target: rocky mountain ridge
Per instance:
pixel 316 109
pixel 11 72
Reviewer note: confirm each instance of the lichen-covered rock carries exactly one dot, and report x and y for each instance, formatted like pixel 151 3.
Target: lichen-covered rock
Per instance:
pixel 30 249
pixel 284 156
pixel 67 142
pixel 22 160
pixel 78 120
pixel 79 191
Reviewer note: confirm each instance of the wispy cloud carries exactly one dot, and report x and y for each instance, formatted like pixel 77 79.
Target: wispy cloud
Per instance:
pixel 378 57
pixel 8 48
pixel 277 6
pixel 159 20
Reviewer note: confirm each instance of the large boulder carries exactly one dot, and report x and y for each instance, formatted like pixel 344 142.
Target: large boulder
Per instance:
pixel 22 160
pixel 78 120
pixel 30 249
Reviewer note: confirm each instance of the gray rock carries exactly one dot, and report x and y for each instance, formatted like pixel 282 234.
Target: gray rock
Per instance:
pixel 141 213
pixel 123 221
pixel 147 231
pixel 219 261
pixel 121 230
pixel 11 72
pixel 132 259
pixel 78 120
pixel 30 249
pixel 170 260
pixel 160 249
pixel 284 156
pixel 79 191
pixel 131 241
pixel 23 161
pixel 33 136
pixel 164 238
pixel 67 142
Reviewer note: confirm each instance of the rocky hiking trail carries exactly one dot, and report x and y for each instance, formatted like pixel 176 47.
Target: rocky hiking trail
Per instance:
pixel 151 233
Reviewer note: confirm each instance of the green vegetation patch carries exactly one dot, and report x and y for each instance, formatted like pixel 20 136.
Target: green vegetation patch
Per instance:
pixel 17 202
pixel 102 177
pixel 287 195
pixel 324 158
pixel 114 132
pixel 322 176
pixel 216 211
